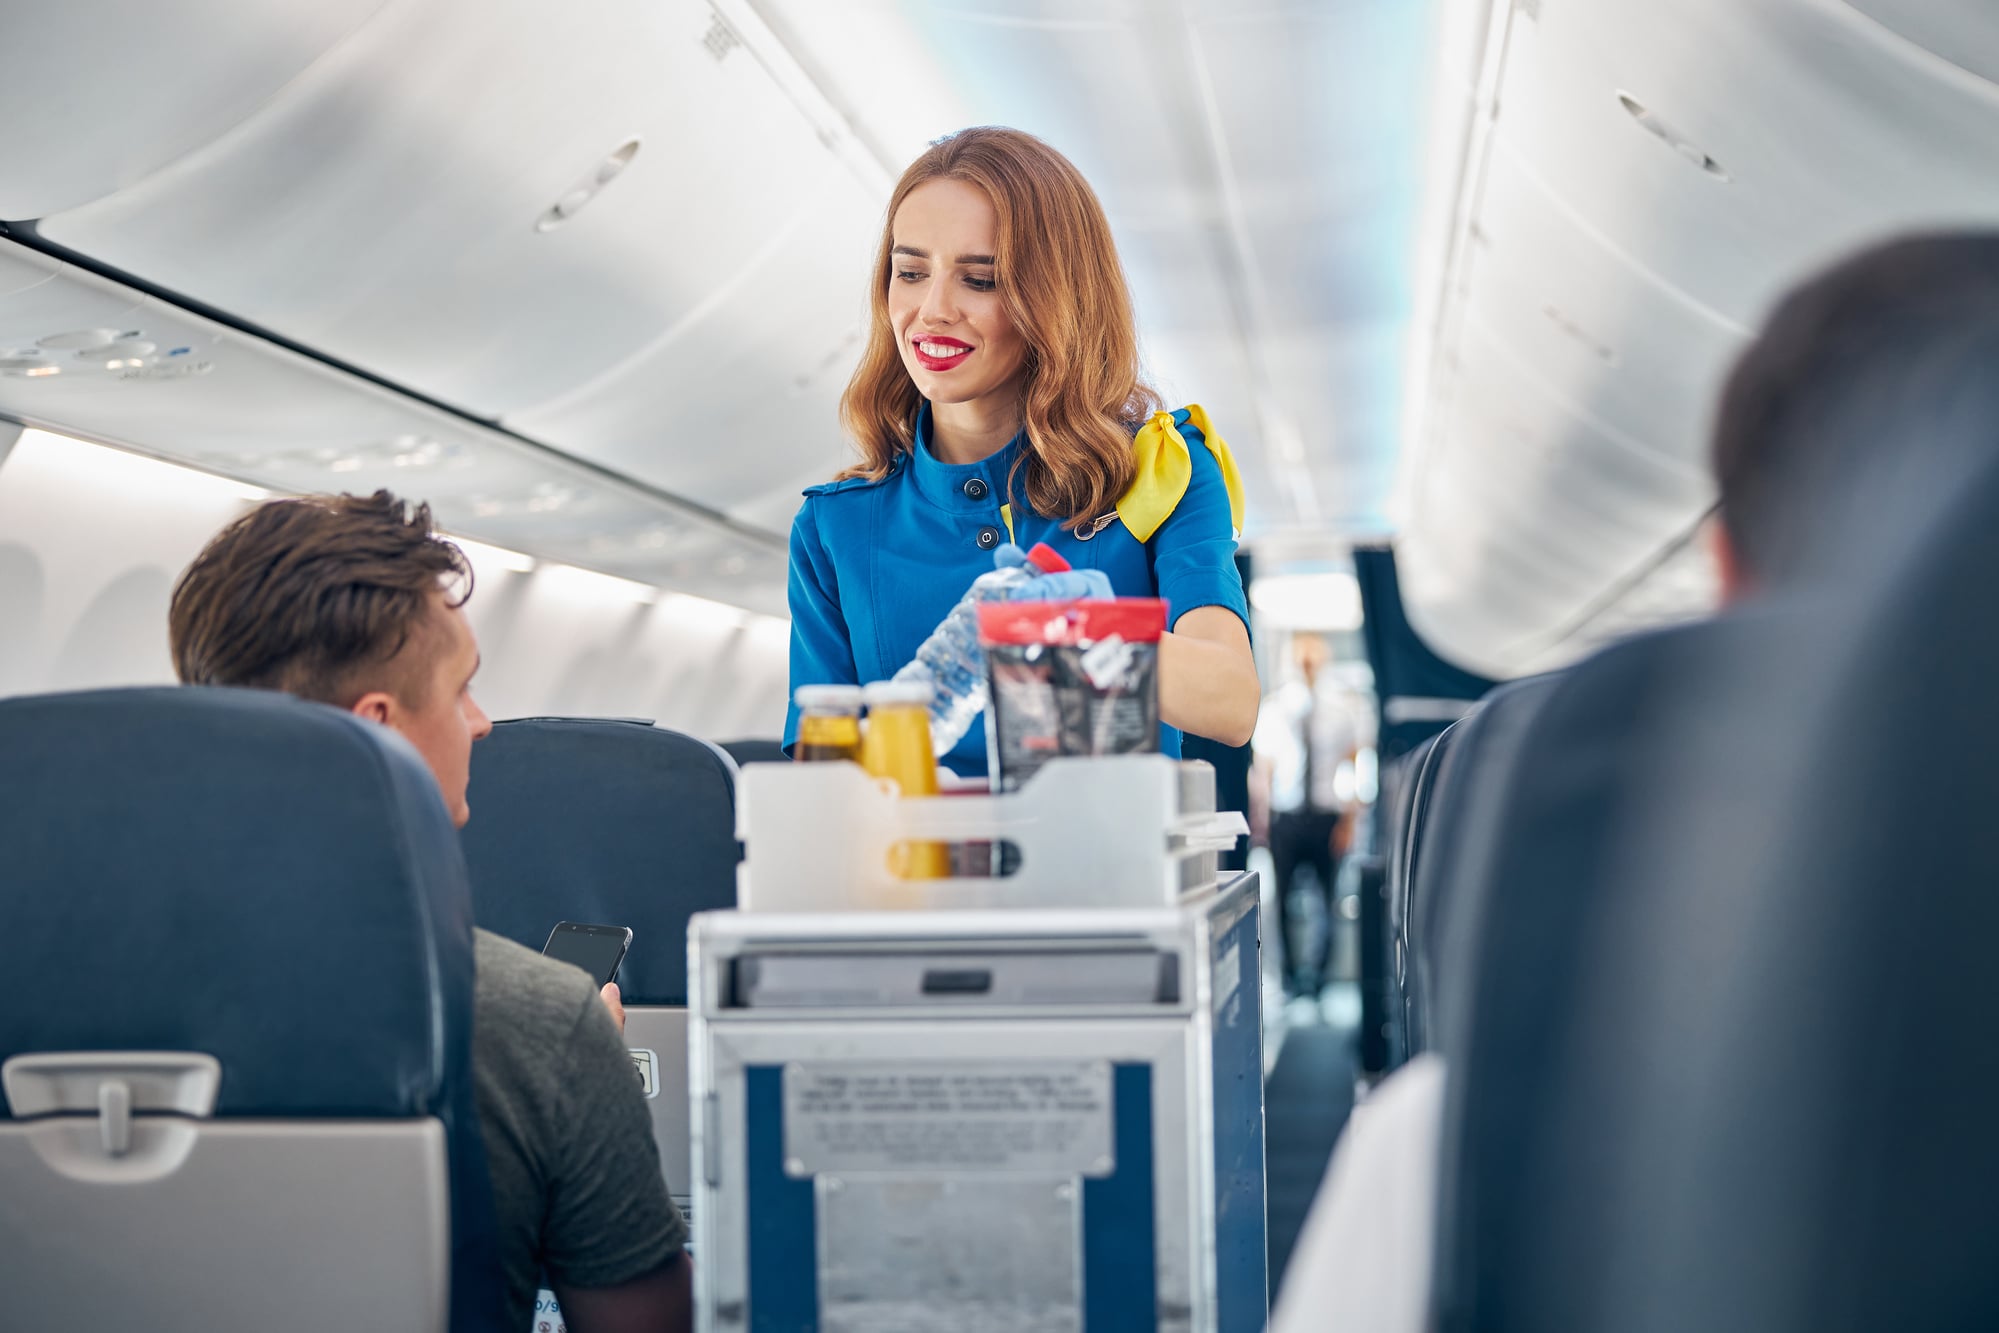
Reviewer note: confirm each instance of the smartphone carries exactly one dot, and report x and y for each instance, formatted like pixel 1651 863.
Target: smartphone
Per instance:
pixel 596 949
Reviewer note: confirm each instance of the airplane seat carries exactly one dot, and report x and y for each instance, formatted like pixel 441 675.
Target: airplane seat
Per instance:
pixel 235 1023
pixel 1526 938
pixel 617 823
pixel 1412 813
pixel 1446 888
pixel 1404 782
pixel 1790 1023
pixel 1525 795
pixel 756 751
pixel 1370 883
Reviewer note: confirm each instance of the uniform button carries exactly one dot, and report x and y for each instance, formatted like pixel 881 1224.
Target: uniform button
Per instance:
pixel 988 538
pixel 975 489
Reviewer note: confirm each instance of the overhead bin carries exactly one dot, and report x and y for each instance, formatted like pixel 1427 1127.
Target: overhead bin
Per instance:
pixel 1809 169
pixel 382 208
pixel 1965 35
pixel 1653 176
pixel 735 398
pixel 99 96
pixel 1560 302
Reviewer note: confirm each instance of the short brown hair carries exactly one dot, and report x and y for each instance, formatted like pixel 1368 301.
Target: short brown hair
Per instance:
pixel 316 596
pixel 1870 380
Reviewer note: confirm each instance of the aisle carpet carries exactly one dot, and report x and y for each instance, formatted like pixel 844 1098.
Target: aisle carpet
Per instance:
pixel 1306 1100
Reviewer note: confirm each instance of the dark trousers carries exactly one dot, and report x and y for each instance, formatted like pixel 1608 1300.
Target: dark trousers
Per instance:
pixel 1302 838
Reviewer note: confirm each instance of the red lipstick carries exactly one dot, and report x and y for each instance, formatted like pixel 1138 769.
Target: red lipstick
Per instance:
pixel 939 363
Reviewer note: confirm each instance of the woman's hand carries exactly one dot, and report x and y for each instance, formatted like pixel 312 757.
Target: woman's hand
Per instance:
pixel 1207 677
pixel 1071 585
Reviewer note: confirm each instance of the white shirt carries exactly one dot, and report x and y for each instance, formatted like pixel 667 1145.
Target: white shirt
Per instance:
pixel 1340 723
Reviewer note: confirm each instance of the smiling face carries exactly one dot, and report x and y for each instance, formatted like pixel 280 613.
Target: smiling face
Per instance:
pixel 951 327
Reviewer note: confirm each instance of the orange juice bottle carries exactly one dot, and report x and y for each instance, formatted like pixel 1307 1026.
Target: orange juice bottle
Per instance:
pixel 829 723
pixel 897 746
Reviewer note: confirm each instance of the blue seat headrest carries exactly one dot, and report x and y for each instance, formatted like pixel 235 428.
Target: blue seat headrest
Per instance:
pixel 270 881
pixel 757 752
pixel 1537 885
pixel 612 822
pixel 1463 823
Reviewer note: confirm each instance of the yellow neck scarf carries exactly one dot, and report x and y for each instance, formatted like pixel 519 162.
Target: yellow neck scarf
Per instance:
pixel 1164 468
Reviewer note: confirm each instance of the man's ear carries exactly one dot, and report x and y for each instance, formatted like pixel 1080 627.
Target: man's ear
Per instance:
pixel 1736 583
pixel 376 706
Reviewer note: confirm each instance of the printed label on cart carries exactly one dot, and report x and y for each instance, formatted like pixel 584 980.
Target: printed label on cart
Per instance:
pixel 1043 1118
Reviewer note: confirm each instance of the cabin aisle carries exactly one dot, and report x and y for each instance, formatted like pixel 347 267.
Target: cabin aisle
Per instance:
pixel 1306 1101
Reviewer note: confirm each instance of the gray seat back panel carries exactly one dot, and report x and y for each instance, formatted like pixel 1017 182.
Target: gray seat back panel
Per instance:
pixel 230 1225
pixel 663 1031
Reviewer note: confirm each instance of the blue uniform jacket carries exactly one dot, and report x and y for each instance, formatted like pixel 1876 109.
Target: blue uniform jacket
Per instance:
pixel 875 565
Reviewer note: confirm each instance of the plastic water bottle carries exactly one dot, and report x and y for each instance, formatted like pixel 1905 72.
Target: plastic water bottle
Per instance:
pixel 950 660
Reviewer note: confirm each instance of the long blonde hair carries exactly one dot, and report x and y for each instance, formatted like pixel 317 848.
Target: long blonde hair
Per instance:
pixel 1063 288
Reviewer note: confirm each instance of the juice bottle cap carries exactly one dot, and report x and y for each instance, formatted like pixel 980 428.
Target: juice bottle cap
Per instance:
pixel 829 698
pixel 890 693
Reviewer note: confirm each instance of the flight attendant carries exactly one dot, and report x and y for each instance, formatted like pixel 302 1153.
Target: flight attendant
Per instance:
pixel 999 400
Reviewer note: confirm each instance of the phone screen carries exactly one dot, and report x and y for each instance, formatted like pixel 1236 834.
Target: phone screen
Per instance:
pixel 596 949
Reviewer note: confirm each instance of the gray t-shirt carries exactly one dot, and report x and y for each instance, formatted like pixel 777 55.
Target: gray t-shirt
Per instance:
pixel 576 1175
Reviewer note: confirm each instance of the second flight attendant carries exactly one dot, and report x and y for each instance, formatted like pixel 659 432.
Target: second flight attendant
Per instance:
pixel 999 400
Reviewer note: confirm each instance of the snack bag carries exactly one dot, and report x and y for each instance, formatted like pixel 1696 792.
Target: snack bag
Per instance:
pixel 1069 678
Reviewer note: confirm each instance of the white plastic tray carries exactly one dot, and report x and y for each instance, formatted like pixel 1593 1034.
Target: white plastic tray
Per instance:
pixel 1105 832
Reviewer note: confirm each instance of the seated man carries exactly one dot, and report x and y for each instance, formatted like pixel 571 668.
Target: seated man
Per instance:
pixel 355 602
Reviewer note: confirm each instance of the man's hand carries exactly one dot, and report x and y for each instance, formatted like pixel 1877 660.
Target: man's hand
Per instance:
pixel 614 1002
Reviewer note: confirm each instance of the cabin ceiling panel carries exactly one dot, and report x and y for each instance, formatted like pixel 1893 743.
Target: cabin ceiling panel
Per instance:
pixel 1325 194
pixel 1830 131
pixel 1321 182
pixel 383 207
pixel 99 94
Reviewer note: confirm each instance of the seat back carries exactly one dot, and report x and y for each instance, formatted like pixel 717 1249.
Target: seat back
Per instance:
pixel 1405 783
pixel 1411 840
pixel 1578 788
pixel 615 823
pixel 1456 831
pixel 756 752
pixel 235 1022
pixel 1791 1020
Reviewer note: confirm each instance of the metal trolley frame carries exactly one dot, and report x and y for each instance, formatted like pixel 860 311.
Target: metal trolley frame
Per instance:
pixel 980 1120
